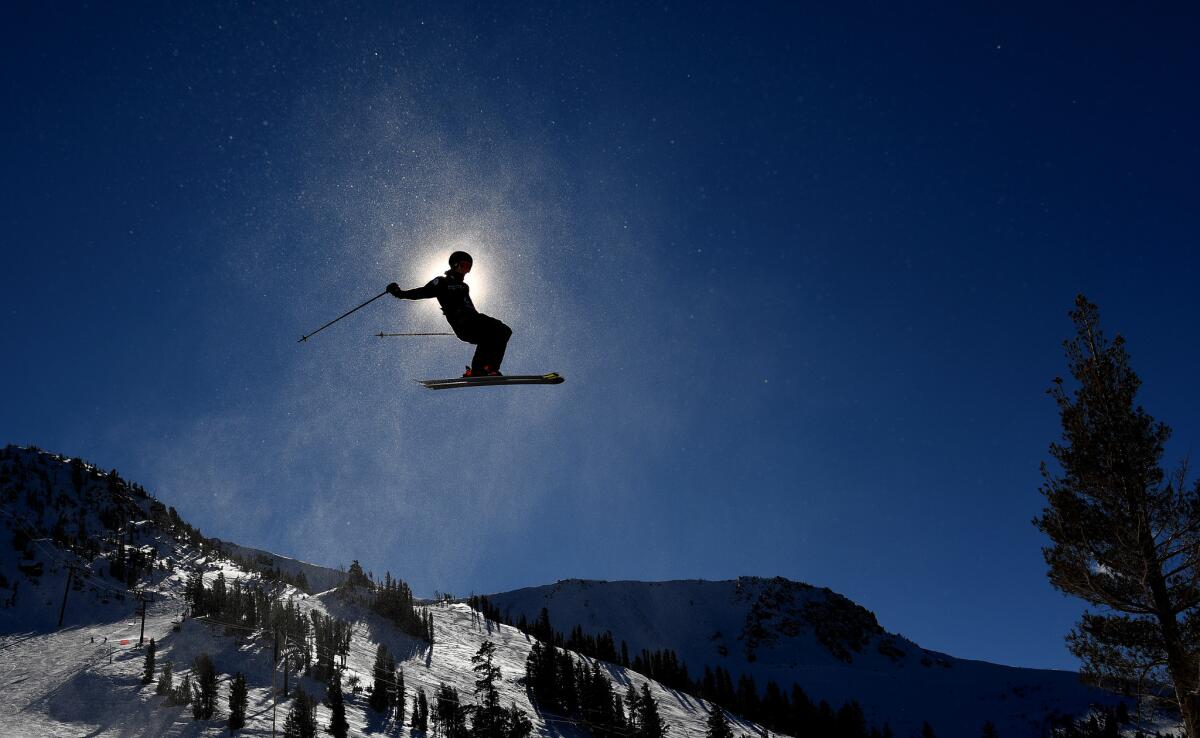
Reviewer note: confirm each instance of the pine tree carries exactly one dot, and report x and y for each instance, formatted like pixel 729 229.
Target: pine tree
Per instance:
pixel 824 719
pixel 195 594
pixel 449 714
pixel 747 696
pixel 774 706
pixel 633 707
pixel 422 712
pixel 651 725
pixel 718 725
pixel 596 701
pixel 989 730
pixel 398 697
pixel 182 695
pixel 148 669
pixel 489 714
pixel 927 730
pixel 238 699
pixel 382 672
pixel 336 701
pixel 1124 535
pixel 541 673
pixel 517 723
pixel 204 690
pixel 801 712
pixel 850 720
pixel 356 578
pixel 291 724
pixel 620 724
pixel 166 681
pixel 302 719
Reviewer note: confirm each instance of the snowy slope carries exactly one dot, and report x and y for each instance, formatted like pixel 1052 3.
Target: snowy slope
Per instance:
pixel 59 515
pixel 775 629
pixel 84 680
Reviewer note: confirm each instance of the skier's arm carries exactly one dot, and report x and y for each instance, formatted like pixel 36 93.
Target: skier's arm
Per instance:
pixel 420 293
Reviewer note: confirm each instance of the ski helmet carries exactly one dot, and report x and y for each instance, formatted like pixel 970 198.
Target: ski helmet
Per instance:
pixel 458 256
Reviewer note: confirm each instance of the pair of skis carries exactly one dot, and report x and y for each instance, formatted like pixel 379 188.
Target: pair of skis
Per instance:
pixel 497 381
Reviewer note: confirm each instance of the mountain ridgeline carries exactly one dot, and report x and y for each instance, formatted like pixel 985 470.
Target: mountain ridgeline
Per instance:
pixel 789 656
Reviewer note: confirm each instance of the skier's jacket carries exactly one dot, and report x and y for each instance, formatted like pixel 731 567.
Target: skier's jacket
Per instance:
pixel 452 294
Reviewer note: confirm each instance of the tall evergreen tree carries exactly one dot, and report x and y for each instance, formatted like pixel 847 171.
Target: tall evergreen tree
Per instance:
pixel 989 730
pixel 489 715
pixel 398 697
pixel 421 714
pixel 596 701
pixel 517 723
pixel 166 681
pixel 382 672
pixel 182 694
pixel 747 696
pixel 541 674
pixel 238 699
pixel 449 714
pixel 633 708
pixel 336 701
pixel 718 725
pixel 355 577
pixel 302 718
pixel 204 690
pixel 851 721
pixel 620 723
pixel 1126 537
pixel 824 719
pixel 651 725
pixel 148 669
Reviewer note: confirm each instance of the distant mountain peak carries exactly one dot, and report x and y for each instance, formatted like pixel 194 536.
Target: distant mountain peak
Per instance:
pixel 781 608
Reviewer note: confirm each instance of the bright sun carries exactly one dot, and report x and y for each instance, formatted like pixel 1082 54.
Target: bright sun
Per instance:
pixel 435 264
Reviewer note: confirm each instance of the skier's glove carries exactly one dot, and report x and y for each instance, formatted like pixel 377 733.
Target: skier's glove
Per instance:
pixel 394 290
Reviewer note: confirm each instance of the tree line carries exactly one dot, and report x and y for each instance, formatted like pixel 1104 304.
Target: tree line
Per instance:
pixel 392 598
pixel 254 606
pixel 792 713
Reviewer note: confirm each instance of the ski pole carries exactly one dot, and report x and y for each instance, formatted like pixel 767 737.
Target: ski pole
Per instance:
pixel 383 335
pixel 360 307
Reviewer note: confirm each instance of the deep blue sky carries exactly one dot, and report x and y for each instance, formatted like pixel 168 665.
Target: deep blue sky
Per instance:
pixel 806 269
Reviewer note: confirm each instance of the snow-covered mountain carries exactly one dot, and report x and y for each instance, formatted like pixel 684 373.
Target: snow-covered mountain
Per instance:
pixel 792 633
pixel 84 546
pixel 68 528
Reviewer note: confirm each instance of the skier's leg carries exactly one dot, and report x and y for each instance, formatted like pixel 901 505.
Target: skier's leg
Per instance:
pixel 493 338
pixel 469 332
pixel 479 360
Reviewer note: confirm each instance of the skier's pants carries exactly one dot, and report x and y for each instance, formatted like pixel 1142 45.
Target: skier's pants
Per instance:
pixel 490 337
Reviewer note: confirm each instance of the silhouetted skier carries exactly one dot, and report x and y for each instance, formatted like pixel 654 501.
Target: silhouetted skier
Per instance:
pixel 489 335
